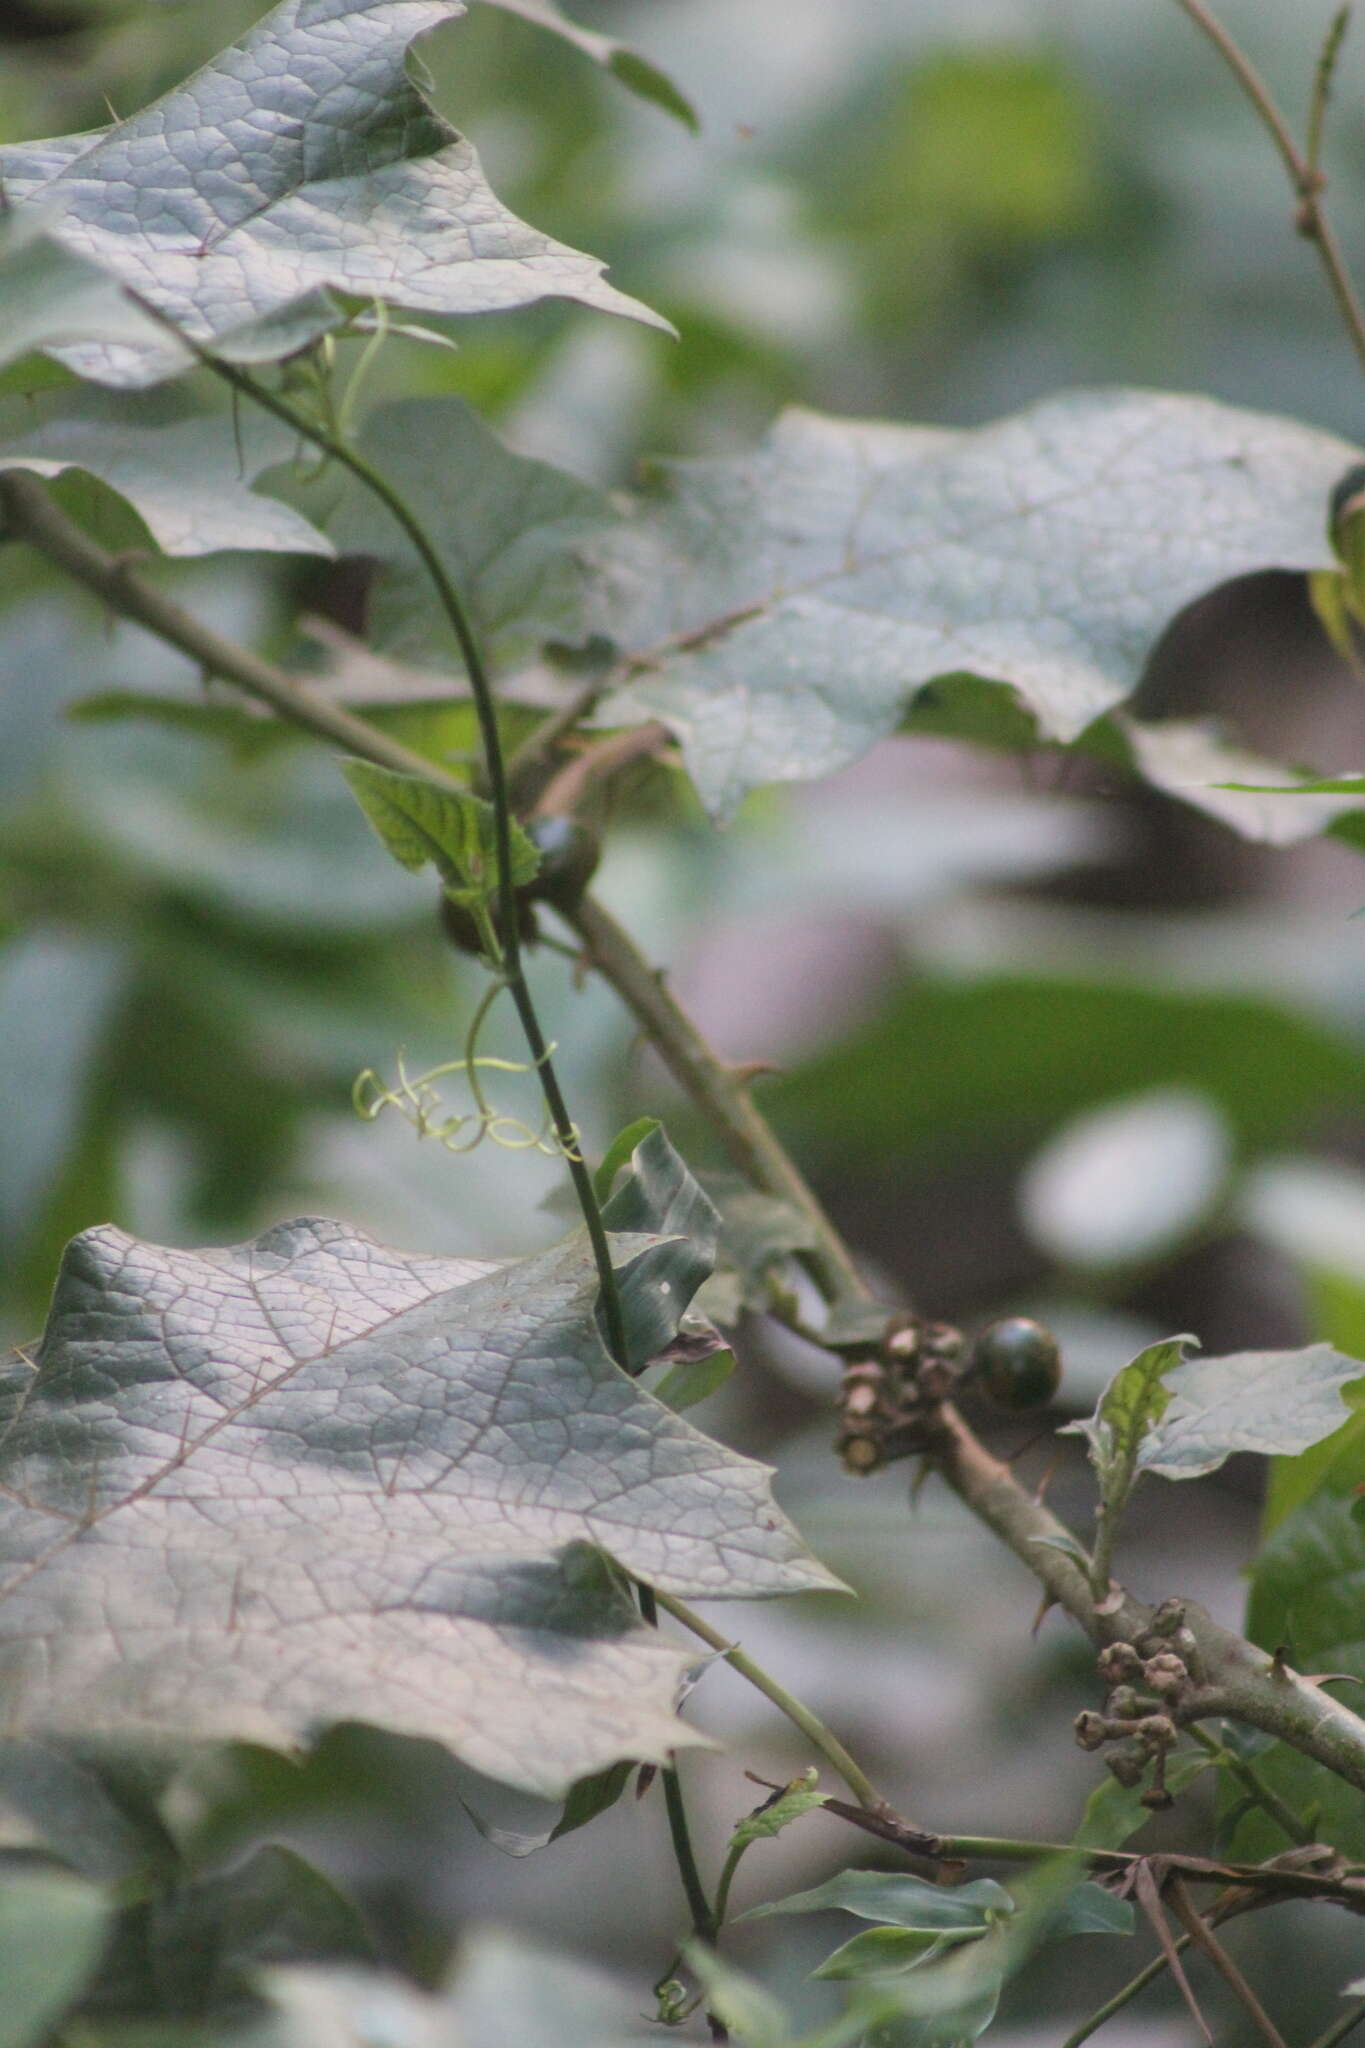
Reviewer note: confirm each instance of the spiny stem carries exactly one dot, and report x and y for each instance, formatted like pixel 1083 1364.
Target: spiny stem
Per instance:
pixel 1302 170
pixel 719 1090
pixel 811 1726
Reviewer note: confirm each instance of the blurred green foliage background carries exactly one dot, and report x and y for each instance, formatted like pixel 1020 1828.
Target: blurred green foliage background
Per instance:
pixel 928 211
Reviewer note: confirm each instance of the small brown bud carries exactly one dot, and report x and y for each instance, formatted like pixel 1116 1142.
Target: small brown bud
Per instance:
pixel 1116 1662
pixel 1166 1674
pixel 1091 1730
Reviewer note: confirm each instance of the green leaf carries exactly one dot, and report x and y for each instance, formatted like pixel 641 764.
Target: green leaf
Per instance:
pixel 799 1798
pixel 694 1379
pixel 619 1151
pixel 204 1942
pixel 1274 1402
pixel 302 160
pixel 1326 785
pixel 506 535
pixel 783 607
pixel 186 473
pixel 1128 1409
pixel 54 298
pixel 780 610
pixel 52 1930
pixel 635 72
pixel 65 1803
pixel 743 2005
pixel 1090 1909
pixel 405 1491
pixel 903 1901
pixel 1306 1596
pixel 1114 1812
pixel 1192 760
pixel 457 833
pixel 890 1951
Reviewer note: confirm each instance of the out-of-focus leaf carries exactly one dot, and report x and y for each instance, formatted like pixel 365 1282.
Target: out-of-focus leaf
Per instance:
pixel 898 1900
pixel 62 1802
pixel 505 1992
pixel 997 1058
pixel 745 2006
pixel 504 535
pixel 1114 1812
pixel 1195 762
pixel 586 1800
pixel 1090 1909
pixel 694 1379
pixel 1305 1597
pixel 300 161
pixel 57 995
pixel 187 475
pixel 634 71
pixel 890 1951
pixel 393 1483
pixel 205 1940
pixel 52 1929
pixel 1314 1213
pixel 1127 1181
pixel 54 298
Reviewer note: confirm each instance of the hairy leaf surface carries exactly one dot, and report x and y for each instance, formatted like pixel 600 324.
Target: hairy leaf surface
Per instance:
pixel 310 1478
pixel 299 161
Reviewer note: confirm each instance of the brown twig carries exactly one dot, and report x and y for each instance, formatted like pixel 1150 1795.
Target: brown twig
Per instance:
pixel 1202 1935
pixel 1301 167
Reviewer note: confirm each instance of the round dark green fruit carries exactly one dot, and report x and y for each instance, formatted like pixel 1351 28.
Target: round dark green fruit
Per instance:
pixel 569 853
pixel 1020 1362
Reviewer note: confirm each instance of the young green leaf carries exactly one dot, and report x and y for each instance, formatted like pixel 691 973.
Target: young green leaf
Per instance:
pixel 635 72
pixel 1128 1409
pixel 890 1951
pixel 52 1929
pixel 694 1379
pixel 901 1900
pixel 798 1799
pixel 457 834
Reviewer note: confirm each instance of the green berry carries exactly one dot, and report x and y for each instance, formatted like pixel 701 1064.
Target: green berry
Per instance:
pixel 569 854
pixel 1020 1362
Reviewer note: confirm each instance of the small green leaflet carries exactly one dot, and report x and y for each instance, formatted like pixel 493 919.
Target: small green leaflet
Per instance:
pixel 1130 1405
pixel 420 823
pixel 796 1800
pixel 901 1901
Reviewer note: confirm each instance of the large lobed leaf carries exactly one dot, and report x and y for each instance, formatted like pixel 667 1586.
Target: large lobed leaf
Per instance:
pixel 310 1478
pixel 299 161
pixel 780 609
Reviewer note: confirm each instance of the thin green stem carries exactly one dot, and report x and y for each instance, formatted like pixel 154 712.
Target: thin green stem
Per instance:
pixel 1124 1996
pixel 1339 2029
pixel 1322 85
pixel 811 1726
pixel 705 1921
pixel 1254 1785
pixel 726 1879
pixel 1302 170
pixel 485 708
